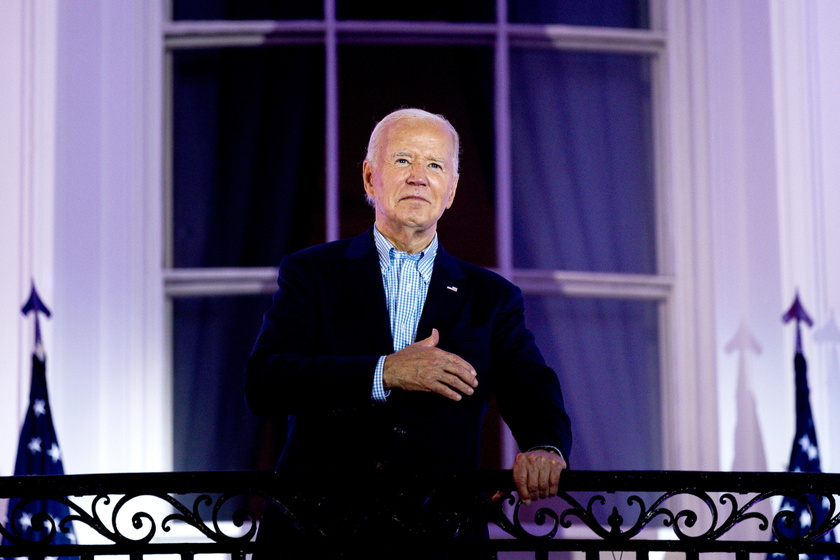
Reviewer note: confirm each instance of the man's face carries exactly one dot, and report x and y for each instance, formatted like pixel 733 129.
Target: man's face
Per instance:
pixel 412 179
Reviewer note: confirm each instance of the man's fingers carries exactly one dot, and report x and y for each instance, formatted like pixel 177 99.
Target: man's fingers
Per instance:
pixel 533 484
pixel 524 493
pixel 554 479
pixel 446 361
pixel 461 372
pixel 452 387
pixel 537 485
pixel 459 385
pixel 446 391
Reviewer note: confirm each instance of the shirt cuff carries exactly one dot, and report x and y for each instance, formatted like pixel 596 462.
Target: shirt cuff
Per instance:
pixel 548 448
pixel 378 393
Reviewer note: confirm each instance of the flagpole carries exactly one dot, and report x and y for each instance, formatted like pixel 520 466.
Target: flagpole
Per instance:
pixel 38 453
pixel 806 516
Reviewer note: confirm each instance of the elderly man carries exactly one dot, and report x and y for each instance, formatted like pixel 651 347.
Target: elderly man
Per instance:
pixel 383 350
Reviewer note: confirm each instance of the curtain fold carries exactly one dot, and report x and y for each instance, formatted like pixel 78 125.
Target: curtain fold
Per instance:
pixel 584 201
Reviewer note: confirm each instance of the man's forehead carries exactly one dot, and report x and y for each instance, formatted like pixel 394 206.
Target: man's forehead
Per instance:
pixel 425 138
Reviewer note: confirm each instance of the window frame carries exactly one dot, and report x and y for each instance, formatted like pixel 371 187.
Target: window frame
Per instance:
pixel 683 258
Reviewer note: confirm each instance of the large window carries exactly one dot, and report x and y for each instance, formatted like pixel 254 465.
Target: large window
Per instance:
pixel 270 109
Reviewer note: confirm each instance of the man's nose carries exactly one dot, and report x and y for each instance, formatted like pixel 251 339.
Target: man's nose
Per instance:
pixel 417 174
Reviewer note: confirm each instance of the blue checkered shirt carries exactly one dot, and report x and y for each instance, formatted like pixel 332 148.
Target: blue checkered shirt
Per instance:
pixel 406 279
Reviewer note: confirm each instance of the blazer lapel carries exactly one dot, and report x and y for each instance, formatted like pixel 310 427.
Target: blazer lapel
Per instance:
pixel 366 280
pixel 445 297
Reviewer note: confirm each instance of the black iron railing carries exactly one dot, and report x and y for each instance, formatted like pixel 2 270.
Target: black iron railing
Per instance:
pixel 640 511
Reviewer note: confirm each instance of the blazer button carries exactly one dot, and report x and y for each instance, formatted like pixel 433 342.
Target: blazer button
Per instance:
pixel 398 430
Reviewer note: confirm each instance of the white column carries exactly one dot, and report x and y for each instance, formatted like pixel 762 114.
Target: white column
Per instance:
pixel 689 392
pixel 807 119
pixel 773 115
pixel 108 368
pixel 744 183
pixel 27 101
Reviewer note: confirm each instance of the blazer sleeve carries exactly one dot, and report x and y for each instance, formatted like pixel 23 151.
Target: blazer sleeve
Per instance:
pixel 527 391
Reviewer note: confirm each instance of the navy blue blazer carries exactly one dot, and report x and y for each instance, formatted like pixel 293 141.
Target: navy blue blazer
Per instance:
pixel 328 324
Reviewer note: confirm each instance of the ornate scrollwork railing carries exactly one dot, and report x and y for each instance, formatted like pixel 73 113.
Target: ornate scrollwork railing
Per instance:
pixel 691 512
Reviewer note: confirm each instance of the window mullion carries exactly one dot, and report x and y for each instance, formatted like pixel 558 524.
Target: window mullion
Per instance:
pixel 504 207
pixel 331 159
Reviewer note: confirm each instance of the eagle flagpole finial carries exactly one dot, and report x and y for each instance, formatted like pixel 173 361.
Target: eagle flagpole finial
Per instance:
pixel 36 306
pixel 797 313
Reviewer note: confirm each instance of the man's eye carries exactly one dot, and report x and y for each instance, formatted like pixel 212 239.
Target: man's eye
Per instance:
pixel 435 165
pixel 402 160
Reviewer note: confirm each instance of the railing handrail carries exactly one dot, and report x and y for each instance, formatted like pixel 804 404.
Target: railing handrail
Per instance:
pixel 620 510
pixel 642 481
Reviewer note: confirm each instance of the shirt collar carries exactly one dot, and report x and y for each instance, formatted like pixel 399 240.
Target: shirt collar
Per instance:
pixel 425 263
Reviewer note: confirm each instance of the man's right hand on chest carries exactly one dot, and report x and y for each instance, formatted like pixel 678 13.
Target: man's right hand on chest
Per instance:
pixel 423 366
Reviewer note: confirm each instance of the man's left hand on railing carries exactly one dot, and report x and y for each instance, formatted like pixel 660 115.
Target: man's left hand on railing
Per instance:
pixel 536 474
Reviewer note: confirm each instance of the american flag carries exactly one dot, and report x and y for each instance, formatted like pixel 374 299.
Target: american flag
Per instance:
pixel 804 455
pixel 38 454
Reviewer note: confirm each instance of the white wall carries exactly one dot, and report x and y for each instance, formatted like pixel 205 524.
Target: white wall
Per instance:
pixel 27 116
pixel 80 147
pixel 807 143
pixel 773 121
pixel 84 220
pixel 748 291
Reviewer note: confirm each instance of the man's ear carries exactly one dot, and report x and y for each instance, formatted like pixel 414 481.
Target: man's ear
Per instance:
pixel 367 178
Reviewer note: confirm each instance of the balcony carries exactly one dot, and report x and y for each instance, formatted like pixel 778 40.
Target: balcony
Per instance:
pixel 640 512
